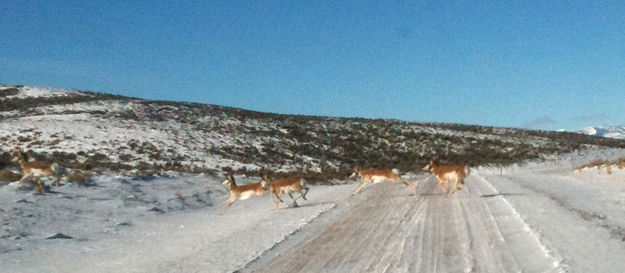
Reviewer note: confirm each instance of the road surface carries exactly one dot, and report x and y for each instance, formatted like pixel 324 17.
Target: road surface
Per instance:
pixel 478 229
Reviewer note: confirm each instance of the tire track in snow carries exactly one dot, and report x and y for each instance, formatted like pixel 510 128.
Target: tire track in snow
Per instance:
pixel 386 230
pixel 520 246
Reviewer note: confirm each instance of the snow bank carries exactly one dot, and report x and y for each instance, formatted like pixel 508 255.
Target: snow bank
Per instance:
pixel 160 225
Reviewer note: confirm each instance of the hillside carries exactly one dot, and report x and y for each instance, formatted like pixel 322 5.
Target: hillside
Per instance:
pixel 94 131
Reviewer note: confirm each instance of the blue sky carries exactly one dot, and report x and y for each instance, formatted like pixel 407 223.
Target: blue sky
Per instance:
pixel 531 64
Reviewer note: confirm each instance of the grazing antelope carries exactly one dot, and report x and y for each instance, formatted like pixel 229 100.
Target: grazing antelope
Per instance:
pixel 446 173
pixel 35 170
pixel 242 192
pixel 379 175
pixel 288 186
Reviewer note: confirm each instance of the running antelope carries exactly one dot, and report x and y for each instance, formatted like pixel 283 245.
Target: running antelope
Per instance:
pixel 446 173
pixel 379 175
pixel 35 170
pixel 288 186
pixel 242 192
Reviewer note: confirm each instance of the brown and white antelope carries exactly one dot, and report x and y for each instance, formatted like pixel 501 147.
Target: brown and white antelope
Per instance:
pixel 242 192
pixel 380 175
pixel 35 170
pixel 288 186
pixel 446 173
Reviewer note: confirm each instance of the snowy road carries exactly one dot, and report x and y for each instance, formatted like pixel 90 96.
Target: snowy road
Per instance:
pixel 387 230
pixel 511 223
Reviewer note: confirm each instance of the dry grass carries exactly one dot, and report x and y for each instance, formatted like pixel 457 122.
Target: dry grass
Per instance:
pixel 602 164
pixel 79 177
pixel 620 163
pixel 9 176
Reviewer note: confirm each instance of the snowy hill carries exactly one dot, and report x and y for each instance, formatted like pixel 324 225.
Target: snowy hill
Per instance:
pixel 88 130
pixel 617 132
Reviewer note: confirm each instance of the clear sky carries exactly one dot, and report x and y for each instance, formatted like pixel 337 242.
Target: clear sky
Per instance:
pixel 530 64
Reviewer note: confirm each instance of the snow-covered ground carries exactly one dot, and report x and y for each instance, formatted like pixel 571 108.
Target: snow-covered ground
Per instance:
pixel 605 131
pixel 73 127
pixel 38 92
pixel 536 217
pixel 160 225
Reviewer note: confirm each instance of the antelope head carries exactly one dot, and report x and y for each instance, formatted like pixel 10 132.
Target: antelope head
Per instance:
pixel 18 156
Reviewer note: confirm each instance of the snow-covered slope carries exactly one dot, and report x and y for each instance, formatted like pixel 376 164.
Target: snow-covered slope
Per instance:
pixel 87 130
pixel 617 132
pixel 161 225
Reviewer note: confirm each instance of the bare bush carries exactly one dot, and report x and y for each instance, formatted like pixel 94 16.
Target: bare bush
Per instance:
pixel 9 176
pixel 79 177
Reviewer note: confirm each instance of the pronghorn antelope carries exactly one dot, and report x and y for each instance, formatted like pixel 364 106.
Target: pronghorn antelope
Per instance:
pixel 288 186
pixel 242 192
pixel 446 173
pixel 379 175
pixel 35 170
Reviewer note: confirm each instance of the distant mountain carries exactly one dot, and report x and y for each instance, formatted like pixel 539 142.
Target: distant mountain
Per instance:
pixel 617 132
pixel 95 131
